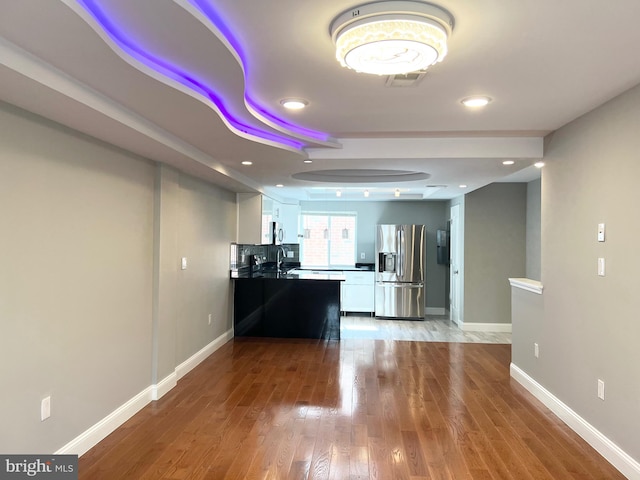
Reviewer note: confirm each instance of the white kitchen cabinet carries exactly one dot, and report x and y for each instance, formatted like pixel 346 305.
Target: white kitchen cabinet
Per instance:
pixel 289 218
pixel 357 291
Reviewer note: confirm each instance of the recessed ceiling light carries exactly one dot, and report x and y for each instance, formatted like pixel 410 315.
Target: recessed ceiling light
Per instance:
pixel 462 185
pixel 294 103
pixel 539 164
pixel 474 102
pixel 246 162
pixel 279 185
pixel 307 161
pixel 508 162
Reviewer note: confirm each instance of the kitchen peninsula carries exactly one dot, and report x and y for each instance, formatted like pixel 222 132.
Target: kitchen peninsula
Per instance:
pixel 295 304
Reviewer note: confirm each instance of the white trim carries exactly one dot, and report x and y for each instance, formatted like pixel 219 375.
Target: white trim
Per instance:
pixel 527 284
pixel 435 311
pixel 485 327
pixel 609 450
pixel 433 147
pixel 195 359
pixel 160 389
pixel 98 432
pixel 91 437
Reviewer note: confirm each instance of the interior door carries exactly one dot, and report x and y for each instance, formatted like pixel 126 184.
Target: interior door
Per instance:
pixel 455 265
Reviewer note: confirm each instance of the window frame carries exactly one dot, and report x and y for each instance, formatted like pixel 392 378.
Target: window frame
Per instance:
pixel 330 215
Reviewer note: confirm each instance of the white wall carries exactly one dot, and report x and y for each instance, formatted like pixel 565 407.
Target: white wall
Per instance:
pixel 590 328
pixel 533 229
pixel 93 305
pixel 494 250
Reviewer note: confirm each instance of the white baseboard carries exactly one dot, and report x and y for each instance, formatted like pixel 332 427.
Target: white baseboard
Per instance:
pixel 609 450
pixel 195 359
pixel 435 311
pixel 91 437
pixel 166 384
pixel 98 432
pixel 485 327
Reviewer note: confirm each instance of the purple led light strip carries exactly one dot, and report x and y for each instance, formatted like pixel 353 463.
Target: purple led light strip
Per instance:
pixel 205 7
pixel 176 74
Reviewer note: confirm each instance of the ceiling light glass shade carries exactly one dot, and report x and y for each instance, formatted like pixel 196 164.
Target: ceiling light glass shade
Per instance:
pixel 391 47
pixel 390 38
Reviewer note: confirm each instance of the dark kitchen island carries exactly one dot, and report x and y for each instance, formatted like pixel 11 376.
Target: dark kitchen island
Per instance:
pixel 288 305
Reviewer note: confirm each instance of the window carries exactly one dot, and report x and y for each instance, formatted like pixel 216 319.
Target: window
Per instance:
pixel 328 240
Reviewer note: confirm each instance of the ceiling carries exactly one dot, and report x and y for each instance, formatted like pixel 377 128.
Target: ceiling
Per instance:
pixel 197 84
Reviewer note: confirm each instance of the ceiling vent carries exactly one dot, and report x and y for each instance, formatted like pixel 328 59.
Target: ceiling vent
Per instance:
pixel 410 79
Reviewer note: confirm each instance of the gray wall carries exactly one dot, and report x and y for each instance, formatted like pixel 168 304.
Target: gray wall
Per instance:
pixel 590 327
pixel 533 229
pixel 494 250
pixel 93 305
pixel 433 214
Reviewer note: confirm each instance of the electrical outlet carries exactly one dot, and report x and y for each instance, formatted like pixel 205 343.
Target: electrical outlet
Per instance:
pixel 209 319
pixel 45 408
pixel 362 256
pixel 536 350
pixel 600 389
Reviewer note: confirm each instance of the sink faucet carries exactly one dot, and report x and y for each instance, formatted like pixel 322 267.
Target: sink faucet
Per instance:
pixel 280 258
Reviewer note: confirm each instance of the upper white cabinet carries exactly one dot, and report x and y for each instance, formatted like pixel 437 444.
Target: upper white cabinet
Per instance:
pixel 249 218
pixel 286 215
pixel 289 220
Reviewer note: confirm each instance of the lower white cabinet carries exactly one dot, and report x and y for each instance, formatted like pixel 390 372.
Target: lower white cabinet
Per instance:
pixel 356 292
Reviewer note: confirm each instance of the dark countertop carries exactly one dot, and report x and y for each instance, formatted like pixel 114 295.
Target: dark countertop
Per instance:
pixel 325 275
pixel 297 272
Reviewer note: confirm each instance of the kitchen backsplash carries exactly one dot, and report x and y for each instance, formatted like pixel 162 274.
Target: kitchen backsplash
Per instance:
pixel 240 254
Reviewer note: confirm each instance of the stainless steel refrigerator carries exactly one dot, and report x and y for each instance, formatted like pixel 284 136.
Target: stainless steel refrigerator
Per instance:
pixel 400 275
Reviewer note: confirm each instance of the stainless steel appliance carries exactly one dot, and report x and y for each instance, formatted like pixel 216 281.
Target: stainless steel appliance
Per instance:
pixel 400 264
pixel 276 234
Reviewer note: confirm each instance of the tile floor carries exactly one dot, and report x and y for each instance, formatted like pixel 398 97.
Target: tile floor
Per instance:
pixel 434 328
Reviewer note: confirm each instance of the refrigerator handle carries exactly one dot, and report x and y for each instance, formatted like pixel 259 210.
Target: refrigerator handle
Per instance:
pixel 400 256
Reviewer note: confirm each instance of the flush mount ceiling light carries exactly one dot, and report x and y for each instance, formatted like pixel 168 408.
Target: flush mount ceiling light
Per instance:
pixel 391 37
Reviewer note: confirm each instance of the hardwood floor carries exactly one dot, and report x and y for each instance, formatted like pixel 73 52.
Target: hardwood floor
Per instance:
pixel 354 409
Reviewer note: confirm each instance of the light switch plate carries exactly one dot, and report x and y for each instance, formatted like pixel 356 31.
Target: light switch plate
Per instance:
pixel 601 267
pixel 45 408
pixel 600 389
pixel 184 263
pixel 601 232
